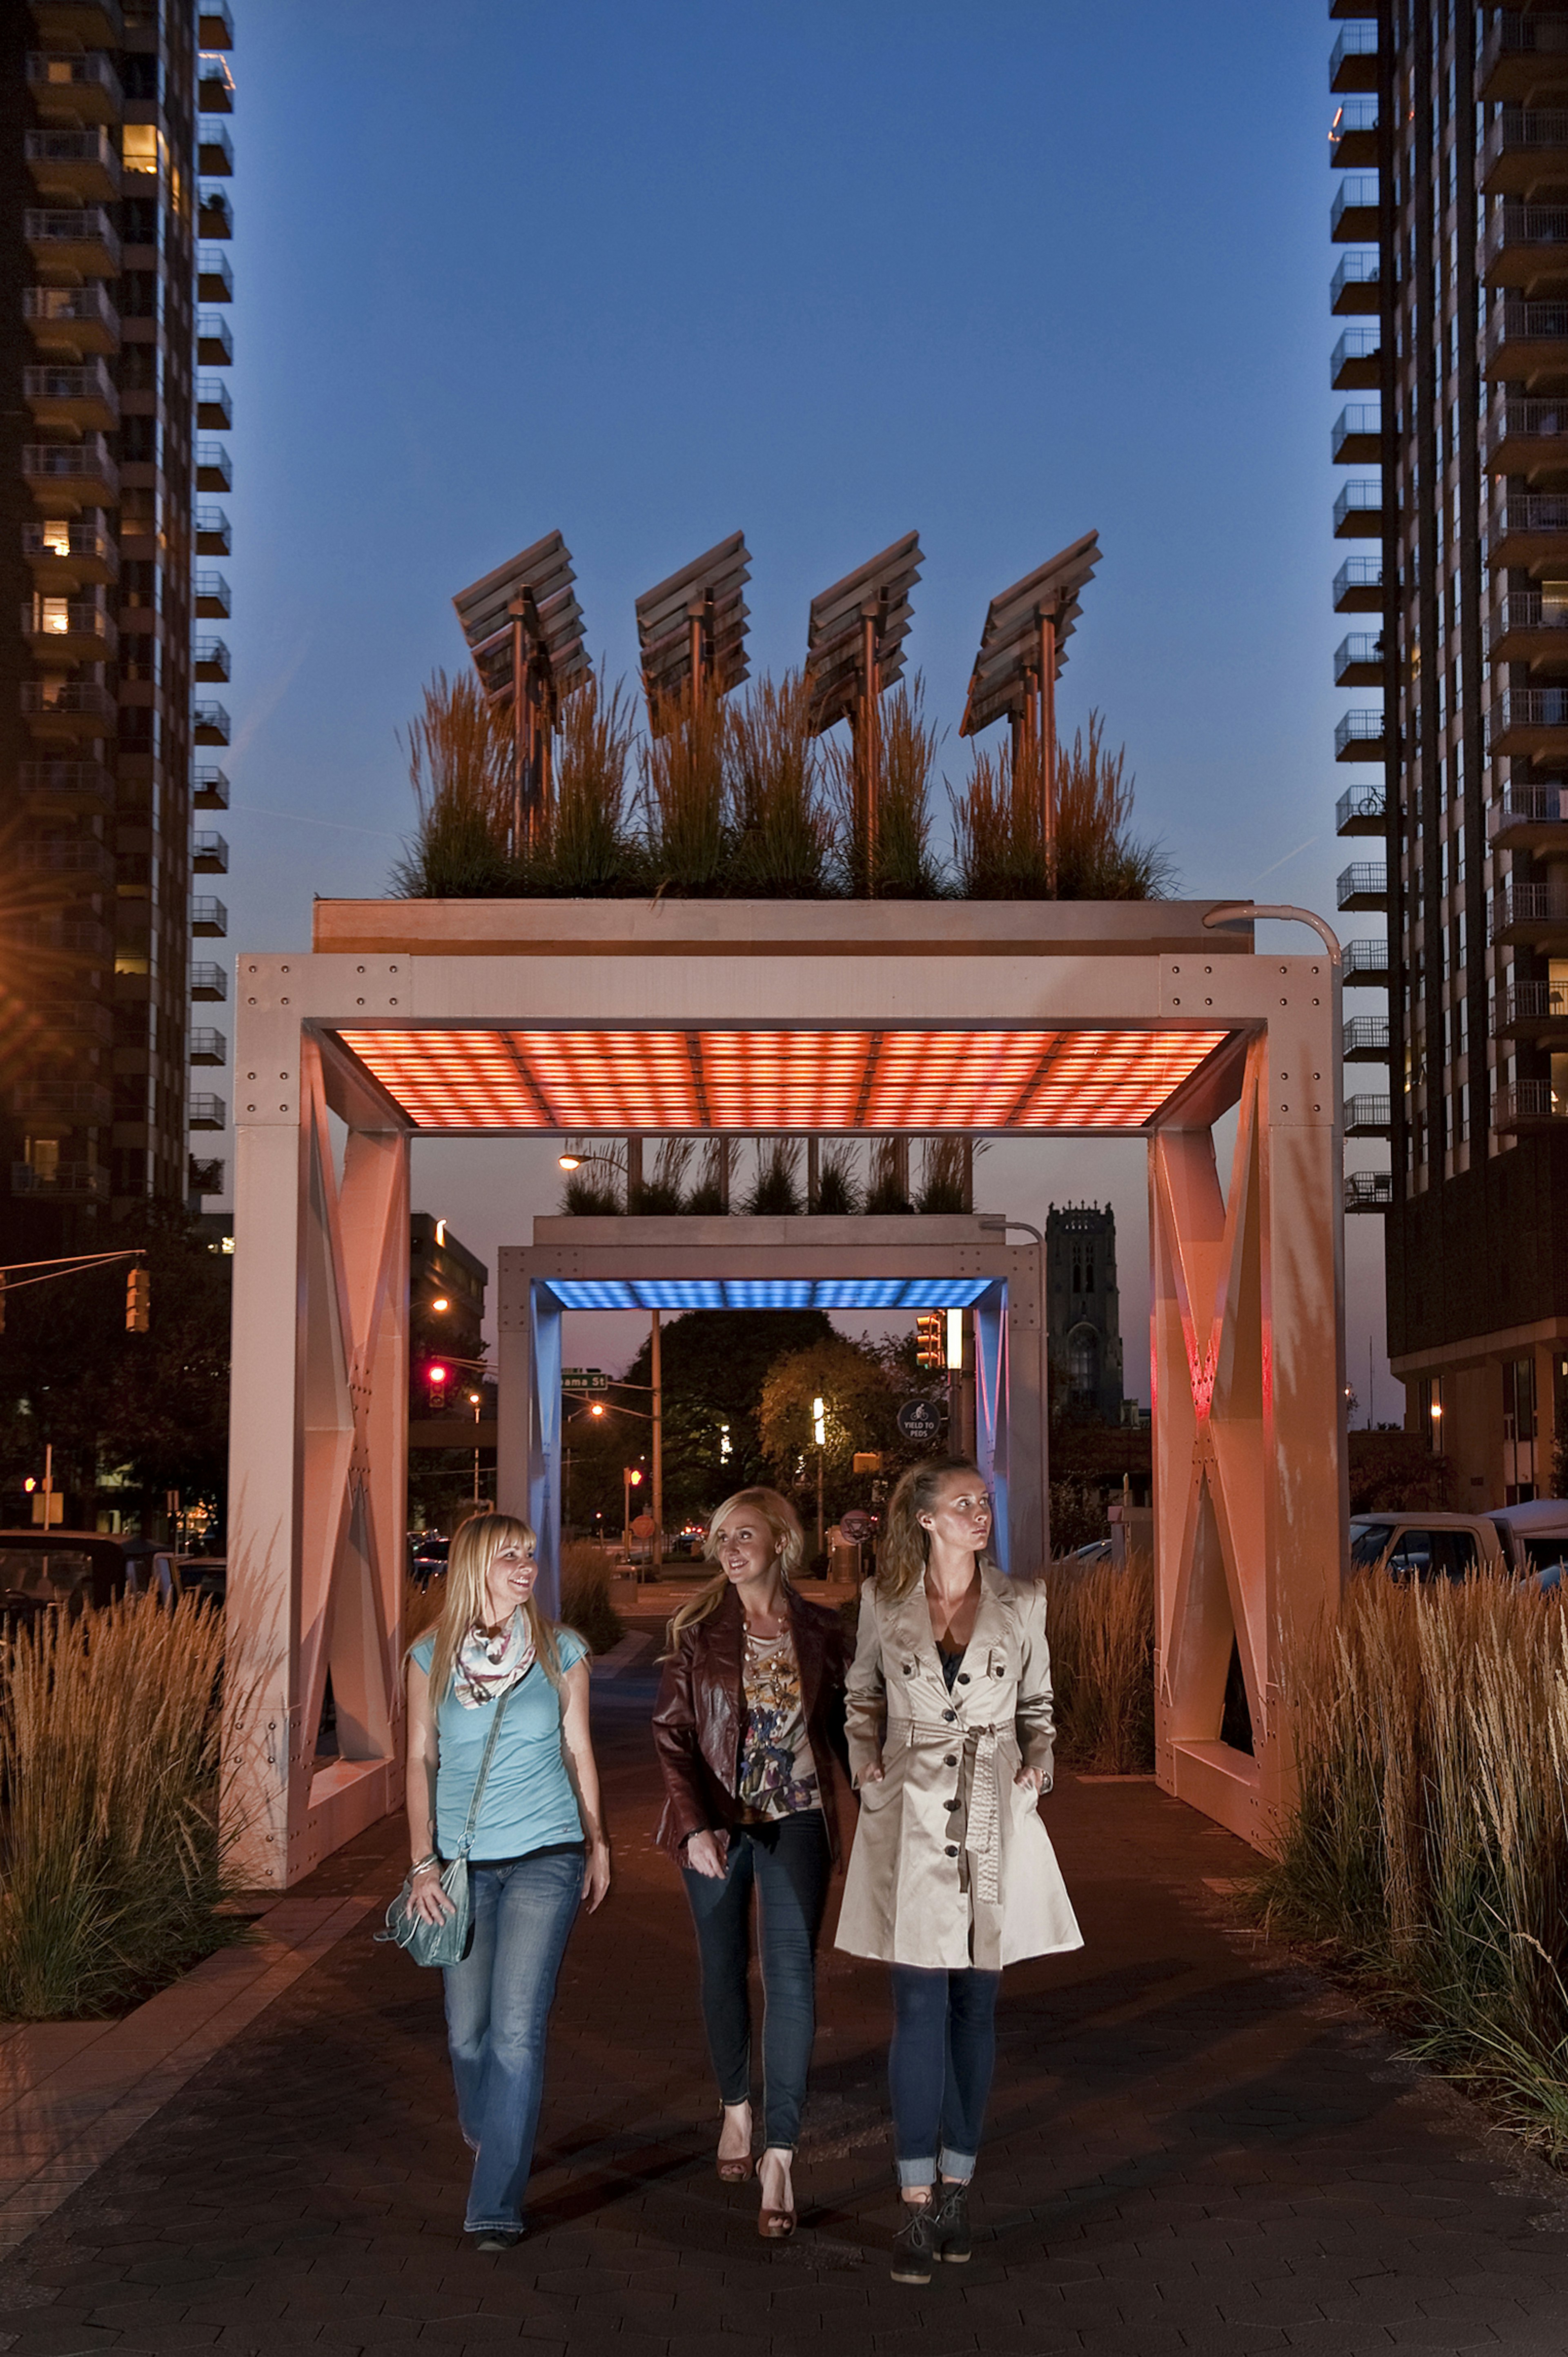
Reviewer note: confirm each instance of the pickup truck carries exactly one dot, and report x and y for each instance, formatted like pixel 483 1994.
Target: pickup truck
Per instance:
pixel 1531 1542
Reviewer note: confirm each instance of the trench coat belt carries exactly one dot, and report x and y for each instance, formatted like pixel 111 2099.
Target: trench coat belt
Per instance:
pixel 982 1831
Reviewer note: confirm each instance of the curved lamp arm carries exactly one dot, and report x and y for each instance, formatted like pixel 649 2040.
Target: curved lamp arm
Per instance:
pixel 1237 913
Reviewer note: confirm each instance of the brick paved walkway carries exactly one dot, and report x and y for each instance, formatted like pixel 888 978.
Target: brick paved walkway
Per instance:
pixel 1194 2147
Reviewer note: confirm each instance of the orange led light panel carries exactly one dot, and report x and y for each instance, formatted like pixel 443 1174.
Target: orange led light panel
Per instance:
pixel 821 1080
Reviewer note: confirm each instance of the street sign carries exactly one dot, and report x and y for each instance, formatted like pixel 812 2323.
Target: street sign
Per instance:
pixel 642 1526
pixel 856 1525
pixel 583 1378
pixel 920 1420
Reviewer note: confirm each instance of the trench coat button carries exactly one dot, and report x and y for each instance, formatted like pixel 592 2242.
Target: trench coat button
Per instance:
pixel 963 1677
pixel 952 1849
pixel 950 1713
pixel 951 1760
pixel 953 1803
pixel 908 1669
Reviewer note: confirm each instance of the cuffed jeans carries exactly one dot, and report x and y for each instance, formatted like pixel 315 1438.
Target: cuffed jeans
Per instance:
pixel 938 2069
pixel 498 2011
pixel 788 1865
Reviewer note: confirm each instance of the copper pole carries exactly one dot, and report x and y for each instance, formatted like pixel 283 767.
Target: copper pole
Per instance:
pixel 869 746
pixel 1048 733
pixel 518 725
pixel 695 628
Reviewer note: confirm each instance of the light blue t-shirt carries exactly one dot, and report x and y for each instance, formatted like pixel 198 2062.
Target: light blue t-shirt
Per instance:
pixel 528 1801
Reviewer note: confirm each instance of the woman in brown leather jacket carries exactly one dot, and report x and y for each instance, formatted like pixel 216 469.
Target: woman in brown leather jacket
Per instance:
pixel 749 1719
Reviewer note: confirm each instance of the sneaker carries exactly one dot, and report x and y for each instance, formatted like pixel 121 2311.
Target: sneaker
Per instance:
pixel 950 2224
pixel 499 2238
pixel 913 2246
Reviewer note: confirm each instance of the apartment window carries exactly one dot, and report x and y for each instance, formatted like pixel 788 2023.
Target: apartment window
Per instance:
pixel 1519 1431
pixel 144 148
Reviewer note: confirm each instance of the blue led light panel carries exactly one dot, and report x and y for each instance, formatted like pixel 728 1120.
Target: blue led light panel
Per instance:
pixel 678 1293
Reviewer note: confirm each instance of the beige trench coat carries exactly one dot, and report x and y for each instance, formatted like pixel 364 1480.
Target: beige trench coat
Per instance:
pixel 946 1845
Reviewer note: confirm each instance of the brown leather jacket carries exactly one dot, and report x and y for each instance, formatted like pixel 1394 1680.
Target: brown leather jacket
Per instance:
pixel 699 1718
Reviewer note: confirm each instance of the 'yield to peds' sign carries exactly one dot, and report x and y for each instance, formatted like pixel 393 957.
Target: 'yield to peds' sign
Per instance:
pixel 920 1421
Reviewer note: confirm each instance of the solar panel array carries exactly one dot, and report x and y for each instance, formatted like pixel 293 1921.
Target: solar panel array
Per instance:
pixel 708 591
pixel 1010 643
pixel 811 1080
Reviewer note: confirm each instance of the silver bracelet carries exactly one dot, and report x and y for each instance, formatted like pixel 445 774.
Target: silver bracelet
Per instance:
pixel 433 1859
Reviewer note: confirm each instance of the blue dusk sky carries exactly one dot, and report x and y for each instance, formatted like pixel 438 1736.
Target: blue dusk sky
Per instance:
pixel 999 272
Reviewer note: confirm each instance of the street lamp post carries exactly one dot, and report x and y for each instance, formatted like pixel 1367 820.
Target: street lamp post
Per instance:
pixel 630 1479
pixel 820 1433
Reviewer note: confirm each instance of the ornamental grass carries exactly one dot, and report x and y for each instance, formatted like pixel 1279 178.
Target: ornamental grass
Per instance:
pixel 1101 1626
pixel 112 1875
pixel 1428 1850
pixel 585 1595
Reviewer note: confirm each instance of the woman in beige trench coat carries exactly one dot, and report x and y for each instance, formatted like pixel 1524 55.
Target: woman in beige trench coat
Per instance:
pixel 951 1875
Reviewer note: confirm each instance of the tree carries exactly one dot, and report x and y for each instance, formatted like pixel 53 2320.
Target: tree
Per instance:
pixel 860 1403
pixel 713 1364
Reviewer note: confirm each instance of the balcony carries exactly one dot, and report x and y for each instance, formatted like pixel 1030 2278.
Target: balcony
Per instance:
pixel 78 859
pixel 1532 721
pixel 92 24
pixel 210 855
pixel 209 724
pixel 1366 1118
pixel 1355 437
pixel 75 86
pixel 1524 244
pixel 1522 55
pixel 61 1183
pixel 1354 286
pixel 1366 966
pixel 1363 885
pixel 214 153
pixel 207 1113
pixel 214 407
pixel 68 709
pixel 209 788
pixel 212 533
pixel 1362 809
pixel 1532 1010
pixel 1530 528
pixel 1354 64
pixel 1358 660
pixel 208 1045
pixel 1358 510
pixel 214 27
pixel 213 472
pixel 214 87
pixel 1355 365
pixel 1530 916
pixel 79 238
pixel 71 474
pixel 1526 148
pixel 1368 1190
pixel 74 1105
pixel 71 398
pixel 1364 1039
pixel 1353 136
pixel 1528 1106
pixel 65 554
pixel 215 214
pixel 211 660
pixel 81 164
pixel 73 320
pixel 1530 818
pixel 1359 585
pixel 214 342
pixel 203 1177
pixel 1360 736
pixel 61 629
pixel 1526 627
pixel 1353 215
pixel 213 601
pixel 78 937
pixel 214 279
pixel 207 981
pixel 1526 342
pixel 79 1019
pixel 65 789
pixel 209 918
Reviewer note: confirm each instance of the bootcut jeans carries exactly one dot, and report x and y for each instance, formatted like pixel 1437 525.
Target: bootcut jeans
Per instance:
pixel 498 2012
pixel 788 1864
pixel 938 2069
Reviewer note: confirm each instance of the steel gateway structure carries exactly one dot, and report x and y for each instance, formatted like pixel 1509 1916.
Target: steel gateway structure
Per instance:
pixel 1030 1018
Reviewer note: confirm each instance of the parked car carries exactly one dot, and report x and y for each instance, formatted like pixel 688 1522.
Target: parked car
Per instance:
pixel 1531 1542
pixel 427 1553
pixel 203 1574
pixel 42 1571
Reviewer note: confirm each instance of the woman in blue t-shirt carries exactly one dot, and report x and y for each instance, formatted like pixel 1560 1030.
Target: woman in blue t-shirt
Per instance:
pixel 539 1847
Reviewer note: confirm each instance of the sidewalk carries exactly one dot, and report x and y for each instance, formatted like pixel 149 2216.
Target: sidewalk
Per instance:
pixel 1195 2146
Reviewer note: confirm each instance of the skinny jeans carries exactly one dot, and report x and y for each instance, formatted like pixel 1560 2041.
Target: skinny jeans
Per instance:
pixel 498 2011
pixel 788 1864
pixel 938 2069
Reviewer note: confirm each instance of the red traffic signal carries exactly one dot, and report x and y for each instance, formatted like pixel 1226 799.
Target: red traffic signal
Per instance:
pixel 138 1301
pixel 930 1347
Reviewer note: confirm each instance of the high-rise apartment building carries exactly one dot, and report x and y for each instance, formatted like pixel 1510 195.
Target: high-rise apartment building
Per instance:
pixel 1451 147
pixel 114 210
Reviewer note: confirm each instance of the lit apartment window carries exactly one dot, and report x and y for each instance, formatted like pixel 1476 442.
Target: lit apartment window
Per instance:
pixel 143 148
pixel 53 615
pixel 57 535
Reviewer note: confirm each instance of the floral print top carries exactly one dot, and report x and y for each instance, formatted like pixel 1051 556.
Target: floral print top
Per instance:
pixel 777 1775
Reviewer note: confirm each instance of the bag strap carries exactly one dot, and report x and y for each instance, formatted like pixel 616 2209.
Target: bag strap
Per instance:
pixel 467 1842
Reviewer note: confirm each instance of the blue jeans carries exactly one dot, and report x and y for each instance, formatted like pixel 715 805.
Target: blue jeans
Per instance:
pixel 788 1865
pixel 498 2011
pixel 938 2069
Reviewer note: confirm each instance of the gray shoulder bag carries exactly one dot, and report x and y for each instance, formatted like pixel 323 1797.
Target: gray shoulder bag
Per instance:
pixel 447 1942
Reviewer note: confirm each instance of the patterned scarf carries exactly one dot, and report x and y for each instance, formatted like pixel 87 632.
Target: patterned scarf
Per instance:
pixel 489 1666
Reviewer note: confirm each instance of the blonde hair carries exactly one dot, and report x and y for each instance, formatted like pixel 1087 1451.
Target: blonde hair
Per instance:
pixel 474 1546
pixel 785 1524
pixel 905 1548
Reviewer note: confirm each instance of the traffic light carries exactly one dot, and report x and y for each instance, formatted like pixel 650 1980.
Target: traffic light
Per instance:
pixel 929 1348
pixel 436 1378
pixel 138 1301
